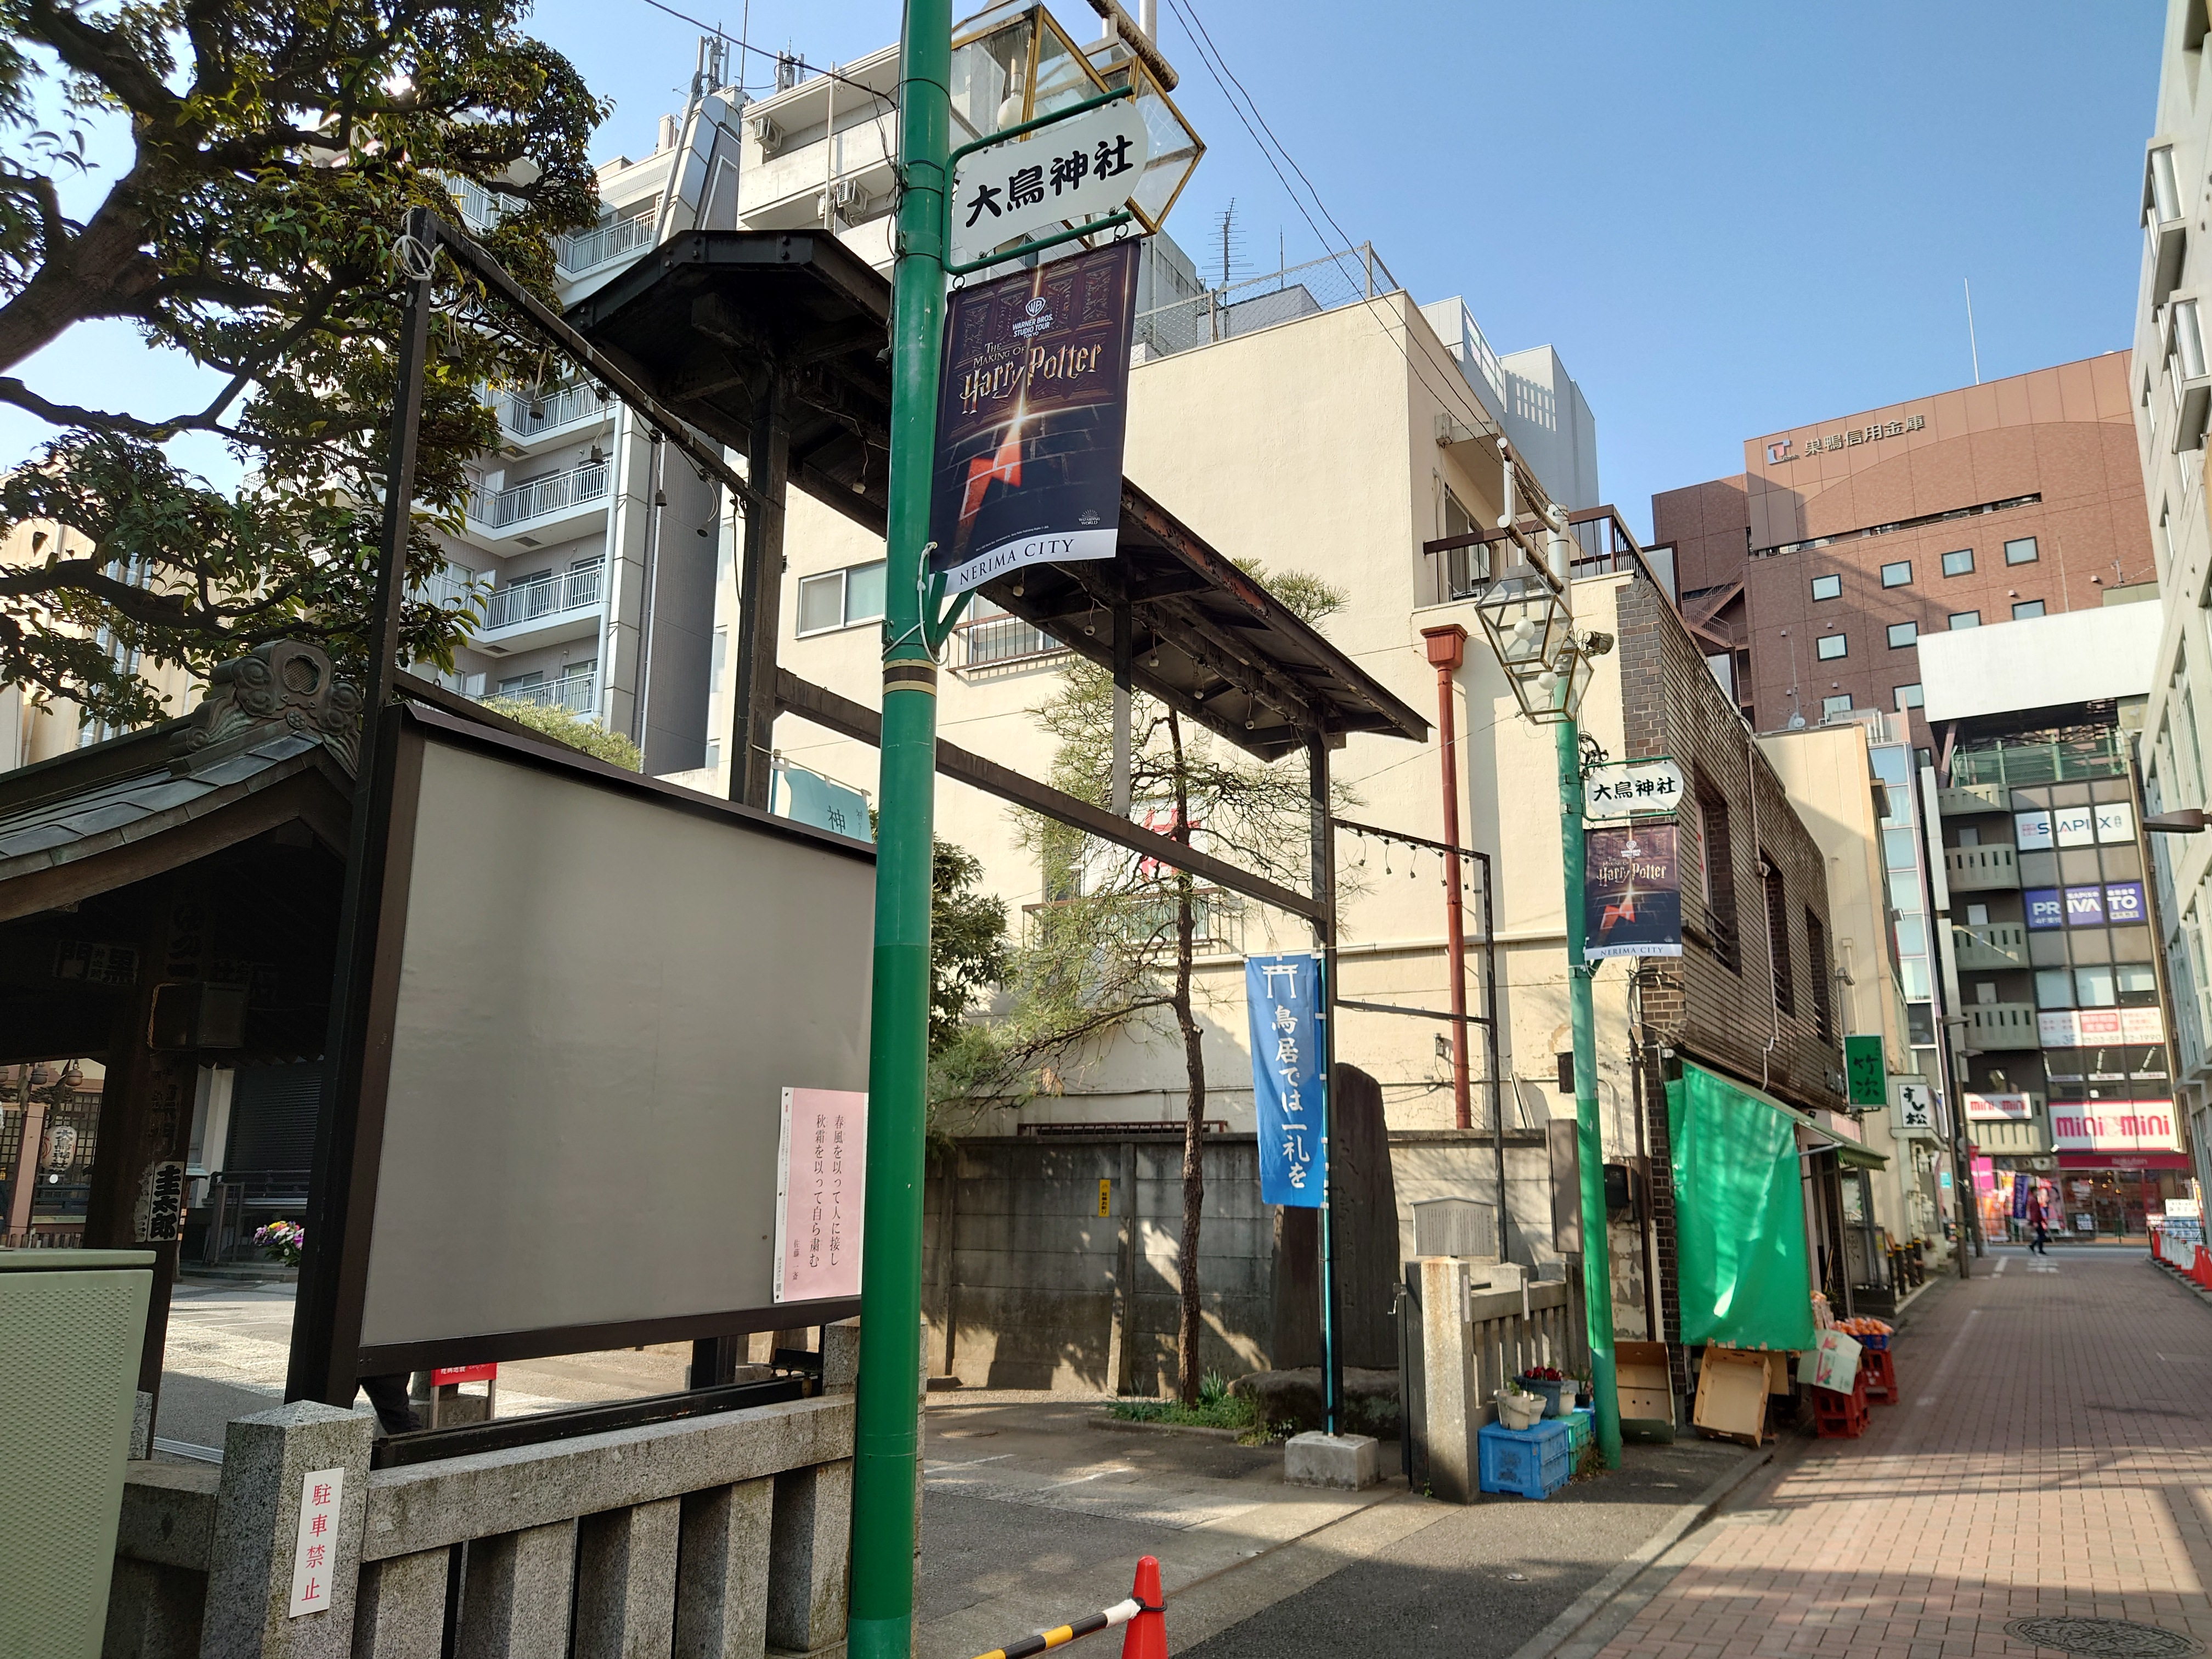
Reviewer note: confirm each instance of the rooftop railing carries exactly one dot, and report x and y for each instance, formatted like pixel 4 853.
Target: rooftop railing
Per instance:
pixel 528 416
pixel 2025 765
pixel 587 250
pixel 577 693
pixel 1281 296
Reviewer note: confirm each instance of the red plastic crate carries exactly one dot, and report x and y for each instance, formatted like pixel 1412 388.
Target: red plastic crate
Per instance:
pixel 1838 1416
pixel 1878 1375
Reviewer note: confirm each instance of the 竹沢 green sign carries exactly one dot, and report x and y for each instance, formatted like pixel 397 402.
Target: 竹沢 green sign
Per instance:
pixel 1866 1071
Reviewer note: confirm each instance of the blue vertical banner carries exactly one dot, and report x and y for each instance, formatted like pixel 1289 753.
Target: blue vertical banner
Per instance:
pixel 1290 1091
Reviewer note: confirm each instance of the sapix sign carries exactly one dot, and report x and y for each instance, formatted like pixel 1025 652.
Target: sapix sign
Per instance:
pixel 1088 164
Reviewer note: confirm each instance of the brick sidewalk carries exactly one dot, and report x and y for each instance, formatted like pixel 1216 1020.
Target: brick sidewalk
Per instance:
pixel 2052 1455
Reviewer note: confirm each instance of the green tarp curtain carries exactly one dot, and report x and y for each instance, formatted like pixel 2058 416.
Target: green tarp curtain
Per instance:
pixel 1739 1216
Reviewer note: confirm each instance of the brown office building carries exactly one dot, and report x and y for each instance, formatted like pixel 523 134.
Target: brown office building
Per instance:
pixel 1810 575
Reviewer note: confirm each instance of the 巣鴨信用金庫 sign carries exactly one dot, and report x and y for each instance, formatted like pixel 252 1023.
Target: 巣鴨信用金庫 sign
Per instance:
pixel 1031 414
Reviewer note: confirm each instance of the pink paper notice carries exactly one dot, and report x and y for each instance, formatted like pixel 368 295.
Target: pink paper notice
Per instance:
pixel 820 1178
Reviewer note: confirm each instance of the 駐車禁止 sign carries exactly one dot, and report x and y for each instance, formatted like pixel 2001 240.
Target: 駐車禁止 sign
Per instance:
pixel 1288 1086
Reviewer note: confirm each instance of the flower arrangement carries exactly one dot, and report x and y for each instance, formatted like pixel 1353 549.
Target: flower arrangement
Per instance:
pixel 1544 1374
pixel 282 1241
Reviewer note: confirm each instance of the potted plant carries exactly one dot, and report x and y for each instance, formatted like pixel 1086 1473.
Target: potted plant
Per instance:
pixel 1549 1381
pixel 1584 1389
pixel 1517 1408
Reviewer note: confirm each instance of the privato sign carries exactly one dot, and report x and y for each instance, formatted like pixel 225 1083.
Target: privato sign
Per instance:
pixel 1087 164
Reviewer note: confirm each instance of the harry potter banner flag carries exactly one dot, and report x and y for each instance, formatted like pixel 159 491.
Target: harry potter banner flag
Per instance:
pixel 1030 418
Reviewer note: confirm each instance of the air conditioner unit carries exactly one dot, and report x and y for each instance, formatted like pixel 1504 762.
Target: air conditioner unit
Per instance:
pixel 766 133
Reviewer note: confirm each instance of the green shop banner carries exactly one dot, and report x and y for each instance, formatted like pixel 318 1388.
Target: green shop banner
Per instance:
pixel 1739 1216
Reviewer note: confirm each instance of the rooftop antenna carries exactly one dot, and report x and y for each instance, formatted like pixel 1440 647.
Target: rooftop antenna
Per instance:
pixel 1970 346
pixel 1229 245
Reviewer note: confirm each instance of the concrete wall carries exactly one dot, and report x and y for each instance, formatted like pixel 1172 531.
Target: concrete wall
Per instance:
pixel 1044 1292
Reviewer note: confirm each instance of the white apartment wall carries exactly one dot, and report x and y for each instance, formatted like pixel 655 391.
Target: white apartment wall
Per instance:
pixel 1309 447
pixel 2180 672
pixel 1551 424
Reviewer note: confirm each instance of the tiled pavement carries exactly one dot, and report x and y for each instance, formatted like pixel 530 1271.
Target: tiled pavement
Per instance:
pixel 2052 1455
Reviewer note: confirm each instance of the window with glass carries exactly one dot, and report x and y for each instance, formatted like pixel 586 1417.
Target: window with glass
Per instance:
pixel 1829 646
pixel 1909 697
pixel 2135 984
pixel 1905 891
pixel 1896 574
pixel 2092 987
pixel 1966 619
pixel 1897 849
pixel 842 598
pixel 1911 936
pixel 2054 988
pixel 1839 704
pixel 1960 563
pixel 1903 634
pixel 2026 609
pixel 2020 550
pixel 1913 972
pixel 1827 587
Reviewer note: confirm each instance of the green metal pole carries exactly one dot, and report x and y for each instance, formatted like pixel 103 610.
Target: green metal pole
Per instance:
pixel 1597 1255
pixel 887 1433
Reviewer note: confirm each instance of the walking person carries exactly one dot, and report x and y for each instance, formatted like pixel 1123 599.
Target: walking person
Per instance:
pixel 2038 1221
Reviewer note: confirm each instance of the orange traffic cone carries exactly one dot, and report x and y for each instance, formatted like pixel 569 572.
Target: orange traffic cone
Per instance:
pixel 1147 1636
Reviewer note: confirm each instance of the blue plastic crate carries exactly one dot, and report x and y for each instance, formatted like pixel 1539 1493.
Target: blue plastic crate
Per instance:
pixel 1531 1462
pixel 1582 1427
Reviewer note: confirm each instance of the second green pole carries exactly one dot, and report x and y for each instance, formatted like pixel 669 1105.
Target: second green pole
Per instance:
pixel 1590 1142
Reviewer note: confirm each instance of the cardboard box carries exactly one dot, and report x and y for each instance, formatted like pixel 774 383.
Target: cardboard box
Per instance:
pixel 1643 1386
pixel 1732 1395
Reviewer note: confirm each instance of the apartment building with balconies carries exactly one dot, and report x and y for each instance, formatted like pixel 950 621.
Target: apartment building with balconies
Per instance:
pixel 2061 1037
pixel 2172 396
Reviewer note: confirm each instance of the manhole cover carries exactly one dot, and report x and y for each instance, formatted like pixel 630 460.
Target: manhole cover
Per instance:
pixel 2105 1638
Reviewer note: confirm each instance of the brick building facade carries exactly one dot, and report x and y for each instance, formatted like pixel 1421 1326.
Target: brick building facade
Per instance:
pixel 1753 993
pixel 1810 577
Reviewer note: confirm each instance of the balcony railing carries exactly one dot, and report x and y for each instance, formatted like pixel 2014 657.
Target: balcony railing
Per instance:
pixel 526 416
pixel 1459 566
pixel 1992 1025
pixel 577 693
pixel 501 509
pixel 587 250
pixel 1994 947
pixel 548 595
pixel 1991 869
pixel 2097 754
pixel 451 589
pixel 996 641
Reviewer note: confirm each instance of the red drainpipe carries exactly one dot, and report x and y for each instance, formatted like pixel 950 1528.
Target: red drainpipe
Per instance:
pixel 1447 651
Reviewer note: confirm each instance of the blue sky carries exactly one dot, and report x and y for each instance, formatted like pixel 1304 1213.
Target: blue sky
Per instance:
pixel 1727 218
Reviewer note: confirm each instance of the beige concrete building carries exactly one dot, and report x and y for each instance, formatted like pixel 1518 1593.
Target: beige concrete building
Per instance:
pixel 31 729
pixel 1829 774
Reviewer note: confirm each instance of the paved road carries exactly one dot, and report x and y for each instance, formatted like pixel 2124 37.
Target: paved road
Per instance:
pixel 2052 1456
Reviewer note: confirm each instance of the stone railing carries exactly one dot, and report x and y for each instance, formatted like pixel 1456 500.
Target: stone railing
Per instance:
pixel 1459 1343
pixel 724 1534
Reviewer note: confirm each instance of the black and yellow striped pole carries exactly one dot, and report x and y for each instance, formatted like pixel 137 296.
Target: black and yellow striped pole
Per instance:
pixel 1044 1641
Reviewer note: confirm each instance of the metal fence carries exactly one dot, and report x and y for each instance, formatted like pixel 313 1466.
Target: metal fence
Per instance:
pixel 499 508
pixel 588 249
pixel 994 642
pixel 2024 765
pixel 548 595
pixel 527 416
pixel 577 693
pixel 1258 302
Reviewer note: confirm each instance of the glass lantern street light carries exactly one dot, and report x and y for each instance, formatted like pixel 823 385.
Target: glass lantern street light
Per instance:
pixel 1013 63
pixel 1530 626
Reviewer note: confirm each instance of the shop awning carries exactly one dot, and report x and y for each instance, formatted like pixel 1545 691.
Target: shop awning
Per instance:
pixel 1740 1214
pixel 1852 1156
